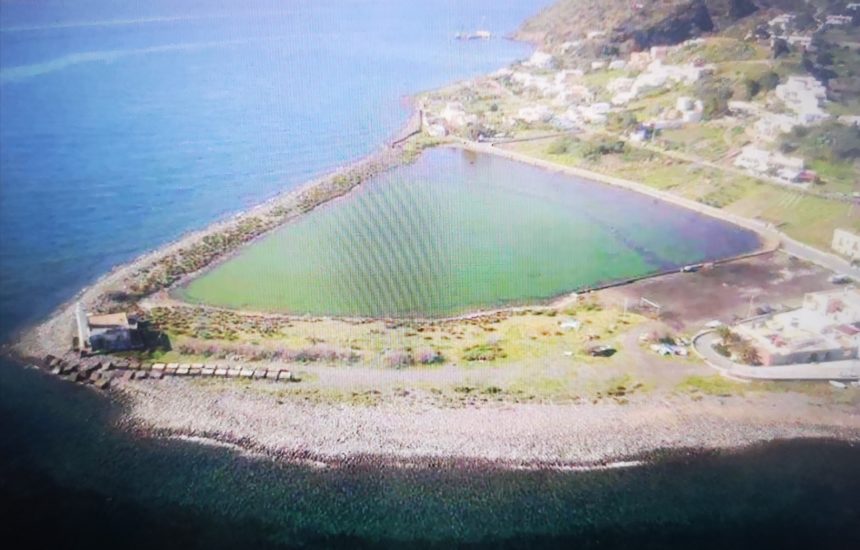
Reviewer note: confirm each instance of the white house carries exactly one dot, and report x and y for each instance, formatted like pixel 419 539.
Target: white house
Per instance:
pixel 846 243
pixel 803 95
pixel 837 20
pixel 771 125
pixel 540 60
pixel 763 162
pixel 456 116
pixel 536 113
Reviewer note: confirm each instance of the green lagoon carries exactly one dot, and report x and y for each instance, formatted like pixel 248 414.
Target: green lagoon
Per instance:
pixel 456 231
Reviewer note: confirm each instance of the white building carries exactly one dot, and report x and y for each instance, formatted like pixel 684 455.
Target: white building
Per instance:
pixel 540 60
pixel 761 161
pixel 536 113
pixel 782 22
pixel 803 95
pixel 771 125
pixel 837 20
pixel 825 328
pixel 456 116
pixel 846 243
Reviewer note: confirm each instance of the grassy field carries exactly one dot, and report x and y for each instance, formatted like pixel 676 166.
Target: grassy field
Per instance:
pixel 806 218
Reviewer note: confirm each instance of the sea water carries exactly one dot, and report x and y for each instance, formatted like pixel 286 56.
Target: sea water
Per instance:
pixel 125 124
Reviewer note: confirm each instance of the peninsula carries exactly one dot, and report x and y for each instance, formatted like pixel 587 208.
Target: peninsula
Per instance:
pixel 581 259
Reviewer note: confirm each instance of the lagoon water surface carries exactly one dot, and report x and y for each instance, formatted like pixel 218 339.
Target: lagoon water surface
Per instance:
pixel 456 231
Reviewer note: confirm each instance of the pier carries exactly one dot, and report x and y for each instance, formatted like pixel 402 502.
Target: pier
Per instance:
pixel 102 371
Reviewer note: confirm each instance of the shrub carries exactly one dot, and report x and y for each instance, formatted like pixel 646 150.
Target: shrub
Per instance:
pixel 604 147
pixel 483 352
pixel 559 146
pixel 397 359
pixel 428 356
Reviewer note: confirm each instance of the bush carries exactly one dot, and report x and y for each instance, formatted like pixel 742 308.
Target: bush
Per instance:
pixel 429 356
pixel 397 359
pixel 559 146
pixel 483 352
pixel 605 147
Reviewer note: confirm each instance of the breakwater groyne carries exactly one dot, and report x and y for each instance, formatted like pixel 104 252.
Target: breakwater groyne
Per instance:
pixel 101 372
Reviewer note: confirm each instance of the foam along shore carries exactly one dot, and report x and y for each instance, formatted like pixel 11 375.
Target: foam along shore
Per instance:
pixel 404 430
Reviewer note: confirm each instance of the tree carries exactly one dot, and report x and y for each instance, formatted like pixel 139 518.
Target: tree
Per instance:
pixel 779 48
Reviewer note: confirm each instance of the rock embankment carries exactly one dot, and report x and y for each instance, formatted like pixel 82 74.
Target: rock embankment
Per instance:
pixel 100 372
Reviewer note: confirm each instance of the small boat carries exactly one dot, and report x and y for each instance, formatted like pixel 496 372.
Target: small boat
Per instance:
pixel 837 384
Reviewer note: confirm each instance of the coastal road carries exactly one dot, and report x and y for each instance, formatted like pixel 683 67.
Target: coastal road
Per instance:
pixel 768 231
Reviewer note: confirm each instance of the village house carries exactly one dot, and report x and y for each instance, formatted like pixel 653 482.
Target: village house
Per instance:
pixel 657 75
pixel 109 332
pixel 846 244
pixel 761 161
pixel 540 60
pixel 782 23
pixel 533 114
pixel 798 40
pixel 837 20
pixel 771 125
pixel 825 328
pixel 455 115
pixel 803 95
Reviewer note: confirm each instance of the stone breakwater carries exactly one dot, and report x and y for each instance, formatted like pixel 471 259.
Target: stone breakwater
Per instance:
pixel 125 286
pixel 102 372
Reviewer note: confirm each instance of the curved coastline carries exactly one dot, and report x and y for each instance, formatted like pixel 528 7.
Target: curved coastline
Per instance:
pixel 336 436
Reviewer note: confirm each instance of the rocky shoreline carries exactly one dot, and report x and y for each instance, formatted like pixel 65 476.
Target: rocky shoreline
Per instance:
pixel 126 285
pixel 412 431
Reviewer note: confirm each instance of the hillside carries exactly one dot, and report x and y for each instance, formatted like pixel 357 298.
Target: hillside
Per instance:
pixel 640 24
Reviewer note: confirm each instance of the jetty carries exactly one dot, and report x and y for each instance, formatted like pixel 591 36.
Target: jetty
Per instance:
pixel 100 372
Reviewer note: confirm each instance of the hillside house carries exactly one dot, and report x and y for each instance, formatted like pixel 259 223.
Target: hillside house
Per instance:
pixel 761 161
pixel 846 243
pixel 803 95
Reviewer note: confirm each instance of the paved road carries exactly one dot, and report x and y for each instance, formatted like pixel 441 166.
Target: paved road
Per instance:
pixel 833 370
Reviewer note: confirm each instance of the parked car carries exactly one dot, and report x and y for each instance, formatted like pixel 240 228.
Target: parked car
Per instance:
pixel 601 351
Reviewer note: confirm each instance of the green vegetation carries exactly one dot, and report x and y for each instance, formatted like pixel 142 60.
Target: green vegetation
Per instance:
pixel 363 258
pixel 832 149
pixel 710 385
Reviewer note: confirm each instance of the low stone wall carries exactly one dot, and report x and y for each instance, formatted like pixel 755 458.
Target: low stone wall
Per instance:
pixel 102 371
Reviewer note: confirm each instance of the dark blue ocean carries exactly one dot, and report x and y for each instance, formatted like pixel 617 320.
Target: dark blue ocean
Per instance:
pixel 126 124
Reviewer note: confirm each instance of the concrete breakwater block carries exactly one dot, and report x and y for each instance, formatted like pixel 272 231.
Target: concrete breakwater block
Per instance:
pixel 156 374
pixel 195 370
pixel 272 374
pixel 233 373
pixel 158 367
pixel 183 370
pixel 220 371
pixel 285 376
pixel 246 373
pixel 171 368
pixel 207 371
pixel 259 374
